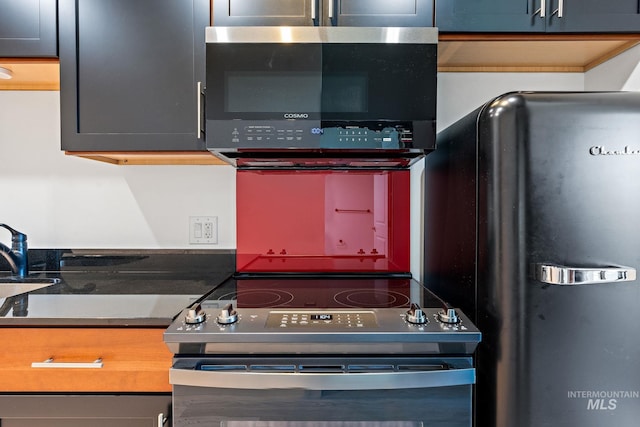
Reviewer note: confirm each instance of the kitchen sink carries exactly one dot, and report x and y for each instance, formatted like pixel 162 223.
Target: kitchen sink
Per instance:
pixel 13 285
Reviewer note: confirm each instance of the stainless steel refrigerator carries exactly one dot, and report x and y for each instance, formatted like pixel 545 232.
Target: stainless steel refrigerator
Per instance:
pixel 532 227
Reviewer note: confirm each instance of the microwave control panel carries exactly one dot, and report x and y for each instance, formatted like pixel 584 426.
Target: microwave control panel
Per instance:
pixel 305 134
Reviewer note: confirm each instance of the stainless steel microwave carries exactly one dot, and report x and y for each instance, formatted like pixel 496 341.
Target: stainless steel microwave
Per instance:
pixel 313 92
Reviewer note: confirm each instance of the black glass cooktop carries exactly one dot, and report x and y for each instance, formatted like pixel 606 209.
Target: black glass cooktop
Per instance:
pixel 320 292
pixel 319 314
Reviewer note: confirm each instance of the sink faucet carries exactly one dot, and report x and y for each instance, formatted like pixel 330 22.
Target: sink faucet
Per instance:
pixel 17 255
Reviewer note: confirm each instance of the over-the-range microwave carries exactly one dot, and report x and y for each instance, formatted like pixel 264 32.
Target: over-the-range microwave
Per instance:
pixel 277 93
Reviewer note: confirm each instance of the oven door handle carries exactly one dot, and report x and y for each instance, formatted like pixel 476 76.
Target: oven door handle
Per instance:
pixel 322 381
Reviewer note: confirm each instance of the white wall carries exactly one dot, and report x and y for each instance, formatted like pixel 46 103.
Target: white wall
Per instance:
pixel 619 73
pixel 62 201
pixel 461 93
pixel 68 202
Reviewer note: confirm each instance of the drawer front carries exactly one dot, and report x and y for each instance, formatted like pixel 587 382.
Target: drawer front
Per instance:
pixel 94 410
pixel 84 360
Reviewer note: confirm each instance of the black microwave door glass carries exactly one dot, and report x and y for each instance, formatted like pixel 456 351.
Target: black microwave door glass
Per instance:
pixel 344 92
pixel 378 81
pixel 350 81
pixel 273 92
pixel 310 92
pixel 263 81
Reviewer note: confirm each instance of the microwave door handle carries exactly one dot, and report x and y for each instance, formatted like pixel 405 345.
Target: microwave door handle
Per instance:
pixel 323 381
pixel 199 109
pixel 562 275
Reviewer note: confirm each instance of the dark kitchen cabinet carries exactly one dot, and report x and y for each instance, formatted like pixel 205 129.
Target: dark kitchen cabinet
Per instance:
pixel 550 16
pixel 130 74
pixel 84 410
pixel 28 28
pixel 357 13
pixel 594 16
pixel 488 16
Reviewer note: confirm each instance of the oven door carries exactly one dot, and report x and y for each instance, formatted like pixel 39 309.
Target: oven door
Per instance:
pixel 298 86
pixel 380 392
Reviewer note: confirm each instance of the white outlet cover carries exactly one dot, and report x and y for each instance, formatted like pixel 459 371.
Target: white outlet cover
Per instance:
pixel 203 230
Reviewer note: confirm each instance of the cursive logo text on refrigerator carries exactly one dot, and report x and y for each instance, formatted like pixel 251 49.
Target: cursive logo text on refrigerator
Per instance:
pixel 601 150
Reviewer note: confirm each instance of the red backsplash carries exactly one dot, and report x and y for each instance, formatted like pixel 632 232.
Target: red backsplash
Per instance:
pixel 322 221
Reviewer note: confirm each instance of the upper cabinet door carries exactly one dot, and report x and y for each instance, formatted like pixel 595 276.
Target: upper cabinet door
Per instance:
pixel 355 13
pixel 28 28
pixel 379 13
pixel 490 15
pixel 266 12
pixel 551 16
pixel 129 73
pixel 594 16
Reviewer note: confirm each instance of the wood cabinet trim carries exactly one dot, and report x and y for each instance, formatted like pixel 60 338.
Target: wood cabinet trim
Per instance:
pixel 150 157
pixel 571 53
pixel 31 74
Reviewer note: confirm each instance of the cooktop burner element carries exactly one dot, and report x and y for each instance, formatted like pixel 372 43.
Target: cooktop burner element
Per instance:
pixel 260 298
pixel 373 298
pixel 316 292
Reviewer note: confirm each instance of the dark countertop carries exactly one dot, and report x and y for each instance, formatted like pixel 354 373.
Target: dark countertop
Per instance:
pixel 136 288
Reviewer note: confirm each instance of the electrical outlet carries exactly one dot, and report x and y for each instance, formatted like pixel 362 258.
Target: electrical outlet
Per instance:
pixel 203 230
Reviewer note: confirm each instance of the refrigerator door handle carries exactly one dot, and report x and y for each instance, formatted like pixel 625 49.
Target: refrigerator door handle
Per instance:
pixel 563 275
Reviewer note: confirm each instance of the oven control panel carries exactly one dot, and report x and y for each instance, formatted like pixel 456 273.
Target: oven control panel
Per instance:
pixel 217 327
pixel 322 319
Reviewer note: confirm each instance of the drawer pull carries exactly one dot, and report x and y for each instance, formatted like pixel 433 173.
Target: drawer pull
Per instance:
pixel 199 109
pixel 49 363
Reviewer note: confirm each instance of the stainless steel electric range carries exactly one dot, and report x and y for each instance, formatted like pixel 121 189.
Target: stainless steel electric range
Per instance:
pixel 320 315
pixel 296 350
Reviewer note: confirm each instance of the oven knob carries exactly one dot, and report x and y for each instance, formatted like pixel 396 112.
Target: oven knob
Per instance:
pixel 416 315
pixel 228 315
pixel 195 315
pixel 449 316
